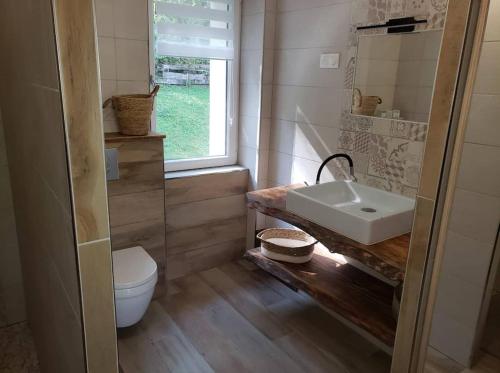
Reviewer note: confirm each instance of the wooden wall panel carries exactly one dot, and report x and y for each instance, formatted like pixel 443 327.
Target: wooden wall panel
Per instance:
pixel 205 219
pixel 192 214
pixel 203 187
pixel 136 199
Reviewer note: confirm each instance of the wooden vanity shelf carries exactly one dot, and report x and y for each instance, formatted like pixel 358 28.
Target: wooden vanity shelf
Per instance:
pixel 356 296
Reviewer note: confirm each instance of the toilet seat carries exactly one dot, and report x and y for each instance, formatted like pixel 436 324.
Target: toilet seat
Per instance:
pixel 137 290
pixel 133 268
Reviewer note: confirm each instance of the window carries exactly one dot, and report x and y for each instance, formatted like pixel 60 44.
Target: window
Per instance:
pixel 195 50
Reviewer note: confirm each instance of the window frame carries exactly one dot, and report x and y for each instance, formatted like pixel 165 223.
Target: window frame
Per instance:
pixel 232 103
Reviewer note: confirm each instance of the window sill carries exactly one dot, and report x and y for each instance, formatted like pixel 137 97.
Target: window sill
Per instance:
pixel 203 171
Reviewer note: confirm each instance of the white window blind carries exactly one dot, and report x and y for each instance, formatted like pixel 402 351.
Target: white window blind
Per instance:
pixel 195 28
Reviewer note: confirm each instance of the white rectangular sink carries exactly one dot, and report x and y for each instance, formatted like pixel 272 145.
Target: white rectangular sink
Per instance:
pixel 362 213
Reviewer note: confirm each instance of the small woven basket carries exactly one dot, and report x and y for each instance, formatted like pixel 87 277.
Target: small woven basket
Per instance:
pixel 133 112
pixel 298 253
pixel 364 105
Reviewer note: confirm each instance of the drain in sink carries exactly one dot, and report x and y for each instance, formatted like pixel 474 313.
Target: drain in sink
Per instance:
pixel 368 209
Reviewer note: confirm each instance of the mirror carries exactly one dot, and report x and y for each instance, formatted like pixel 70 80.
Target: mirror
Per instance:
pixel 394 75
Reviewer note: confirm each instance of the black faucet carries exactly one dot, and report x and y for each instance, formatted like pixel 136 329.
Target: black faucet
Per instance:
pixel 338 155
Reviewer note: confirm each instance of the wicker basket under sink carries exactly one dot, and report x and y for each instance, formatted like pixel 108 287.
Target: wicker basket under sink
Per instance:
pixel 287 245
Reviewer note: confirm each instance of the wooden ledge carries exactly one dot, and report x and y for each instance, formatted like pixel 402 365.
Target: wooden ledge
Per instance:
pixel 356 296
pixel 387 258
pixel 118 137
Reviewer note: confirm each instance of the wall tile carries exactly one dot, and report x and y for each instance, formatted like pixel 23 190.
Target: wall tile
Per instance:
pixel 131 19
pixel 268 66
pixel 252 31
pixel 493 26
pixel 488 74
pixel 450 300
pixel 251 66
pixel 466 258
pixel 280 168
pixel 483 116
pixel 329 26
pixel 251 7
pixel 485 211
pixel 282 136
pixel 250 97
pixel 269 30
pixel 459 347
pixel 291 5
pixel 107 57
pixel 248 131
pixel 304 70
pixel 132 58
pixel 315 143
pixel 313 105
pixel 104 18
pixel 124 87
pixel 478 169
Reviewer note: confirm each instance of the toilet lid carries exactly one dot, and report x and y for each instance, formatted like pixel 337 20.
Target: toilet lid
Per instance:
pixel 132 267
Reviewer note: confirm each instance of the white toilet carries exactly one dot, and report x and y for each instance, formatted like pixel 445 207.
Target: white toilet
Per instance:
pixel 135 275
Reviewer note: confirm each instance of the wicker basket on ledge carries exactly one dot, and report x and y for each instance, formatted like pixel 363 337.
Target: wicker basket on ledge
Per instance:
pixel 133 112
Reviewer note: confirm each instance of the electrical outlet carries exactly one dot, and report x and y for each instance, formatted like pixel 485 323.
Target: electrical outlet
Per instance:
pixel 329 61
pixel 112 171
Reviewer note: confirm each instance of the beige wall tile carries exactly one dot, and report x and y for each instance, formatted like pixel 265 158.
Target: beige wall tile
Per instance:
pixel 132 87
pixel 104 18
pixel 458 348
pixel 478 169
pixel 131 19
pixel 301 67
pixel 313 105
pixel 488 74
pixel 485 211
pixel 248 131
pixel 251 66
pixel 450 300
pixel 329 27
pixel 250 7
pixel 466 258
pixel 483 116
pixel 493 26
pixel 291 5
pixel 250 100
pixel 132 60
pixel 252 31
pixel 107 57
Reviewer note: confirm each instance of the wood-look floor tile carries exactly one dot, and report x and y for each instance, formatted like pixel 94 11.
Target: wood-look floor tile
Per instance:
pixel 245 303
pixel 252 349
pixel 254 283
pixel 236 319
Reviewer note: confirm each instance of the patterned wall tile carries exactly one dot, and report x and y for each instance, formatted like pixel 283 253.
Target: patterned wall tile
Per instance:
pixel 399 128
pixel 369 11
pixel 396 8
pixel 378 151
pixel 387 153
pixel 418 131
pixel 416 8
pixel 361 142
pixel 346 140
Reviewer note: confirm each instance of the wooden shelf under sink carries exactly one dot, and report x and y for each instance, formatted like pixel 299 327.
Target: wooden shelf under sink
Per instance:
pixel 359 298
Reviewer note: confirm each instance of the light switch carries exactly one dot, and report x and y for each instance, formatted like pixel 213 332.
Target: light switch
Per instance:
pixel 329 61
pixel 112 171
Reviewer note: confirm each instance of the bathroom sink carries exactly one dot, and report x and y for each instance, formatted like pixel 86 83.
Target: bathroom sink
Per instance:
pixel 362 213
